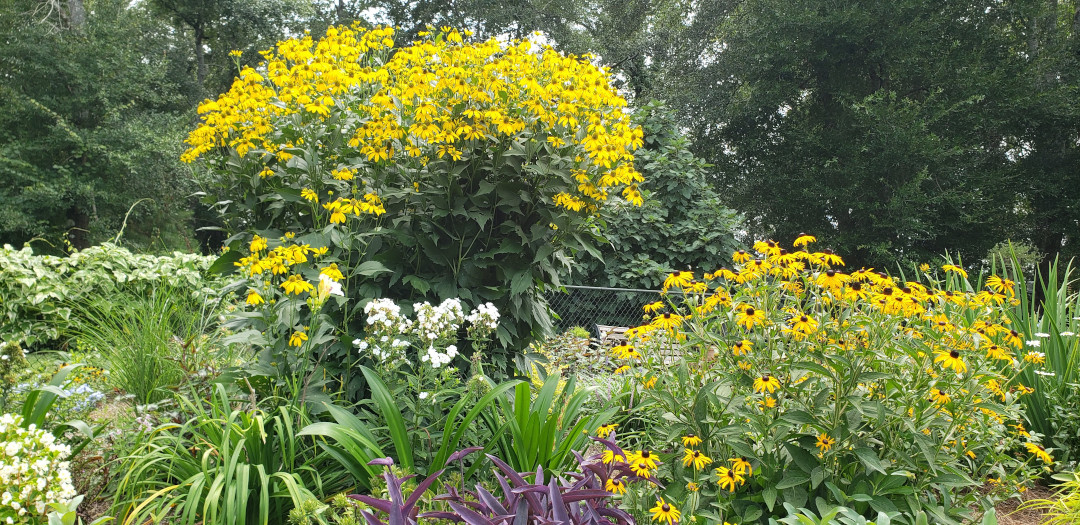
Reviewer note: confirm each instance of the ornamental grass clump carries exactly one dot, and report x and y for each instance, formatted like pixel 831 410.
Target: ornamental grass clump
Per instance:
pixel 444 168
pixel 34 473
pixel 786 380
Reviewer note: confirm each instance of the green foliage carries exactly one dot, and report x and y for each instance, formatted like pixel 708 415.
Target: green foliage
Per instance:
pixel 809 387
pixel 39 404
pixel 489 209
pixel 149 343
pixel 544 432
pixel 225 465
pixel 682 223
pixel 90 125
pixel 1047 316
pixel 1064 507
pixel 40 291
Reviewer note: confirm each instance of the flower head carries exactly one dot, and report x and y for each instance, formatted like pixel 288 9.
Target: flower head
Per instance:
pixel 664 511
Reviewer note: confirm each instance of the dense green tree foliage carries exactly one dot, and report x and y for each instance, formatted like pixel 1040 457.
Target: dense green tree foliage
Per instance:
pixel 90 124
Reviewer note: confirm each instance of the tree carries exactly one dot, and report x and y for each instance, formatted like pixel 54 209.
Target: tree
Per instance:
pixel 89 127
pixel 681 225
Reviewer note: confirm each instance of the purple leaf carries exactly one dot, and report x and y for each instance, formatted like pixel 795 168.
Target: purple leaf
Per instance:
pixel 462 453
pixel 386 462
pixel 616 513
pixel 488 499
pixel 379 504
pixel 470 516
pixel 558 507
pixel 580 495
pixel 439 515
pixel 420 490
pixel 534 502
pixel 370 519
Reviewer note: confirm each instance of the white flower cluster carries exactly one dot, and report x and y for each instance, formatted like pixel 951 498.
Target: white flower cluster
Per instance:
pixel 384 317
pixel 437 358
pixel 438 322
pixel 32 473
pixel 483 321
pixel 385 348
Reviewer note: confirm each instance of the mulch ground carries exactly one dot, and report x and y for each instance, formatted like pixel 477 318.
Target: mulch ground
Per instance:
pixel 1008 514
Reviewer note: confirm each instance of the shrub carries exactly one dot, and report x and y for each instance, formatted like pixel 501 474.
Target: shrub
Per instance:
pixel 785 381
pixel 40 291
pixel 440 169
pixel 33 472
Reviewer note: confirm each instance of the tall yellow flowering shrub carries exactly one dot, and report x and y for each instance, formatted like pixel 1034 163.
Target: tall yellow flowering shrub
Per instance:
pixel 786 380
pixel 442 168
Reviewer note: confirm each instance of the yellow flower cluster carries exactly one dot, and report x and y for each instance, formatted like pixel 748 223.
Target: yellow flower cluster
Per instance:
pixel 439 97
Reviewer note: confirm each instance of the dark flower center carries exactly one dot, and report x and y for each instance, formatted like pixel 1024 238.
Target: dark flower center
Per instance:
pixel 749 311
pixel 666 508
pixel 645 454
pixel 803 319
pixel 830 273
pixel 954 354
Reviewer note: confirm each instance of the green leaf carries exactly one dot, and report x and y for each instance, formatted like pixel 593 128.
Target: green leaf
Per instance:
pixel 371 269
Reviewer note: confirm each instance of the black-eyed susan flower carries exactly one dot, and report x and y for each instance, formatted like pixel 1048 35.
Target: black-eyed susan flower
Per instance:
pixel 616 486
pixel 803 240
pixel 691 440
pixel 654 307
pixel 1002 286
pixel 741 465
pixel 951 360
pixel 742 347
pixel 642 457
pixel 824 442
pixel 605 430
pixel 952 268
pixel 766 383
pixel 1039 452
pixel 831 279
pixel 804 324
pixel 728 479
pixel 622 369
pixel 664 511
pixel 692 487
pixel 998 352
pixel 939 396
pixel 679 279
pixel 695 458
pixel 741 256
pixel 667 321
pixel 748 317
pixel 1012 337
pixel 640 469
pixel 609 456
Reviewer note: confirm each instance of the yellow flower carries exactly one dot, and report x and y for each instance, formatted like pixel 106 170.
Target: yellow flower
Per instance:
pixel 1035 357
pixel 604 430
pixel 955 269
pixel 804 239
pixel 692 487
pixel 616 486
pixel 332 272
pixel 640 469
pixel 824 442
pixel 296 285
pixel 729 479
pixel 309 194
pixel 749 317
pixel 608 457
pixel 742 347
pixel 667 321
pixel 1040 453
pixel 680 279
pixel 297 339
pixel 654 307
pixel 253 297
pixel 695 458
pixel 650 383
pixel 951 359
pixel 642 457
pixel 691 440
pixel 663 511
pixel 741 465
pixel 622 369
pixel 939 396
pixel 766 383
pixel 258 244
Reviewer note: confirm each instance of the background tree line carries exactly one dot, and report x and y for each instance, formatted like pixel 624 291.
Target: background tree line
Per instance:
pixel 893 131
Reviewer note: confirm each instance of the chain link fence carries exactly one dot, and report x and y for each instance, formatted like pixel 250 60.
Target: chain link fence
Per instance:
pixel 592 306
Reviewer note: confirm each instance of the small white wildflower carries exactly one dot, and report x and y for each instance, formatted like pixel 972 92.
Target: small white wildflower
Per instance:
pixel 1067 334
pixel 1041 334
pixel 1043 373
pixel 1034 343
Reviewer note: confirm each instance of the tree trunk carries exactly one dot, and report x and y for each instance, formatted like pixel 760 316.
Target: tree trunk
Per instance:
pixel 76 14
pixel 200 56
